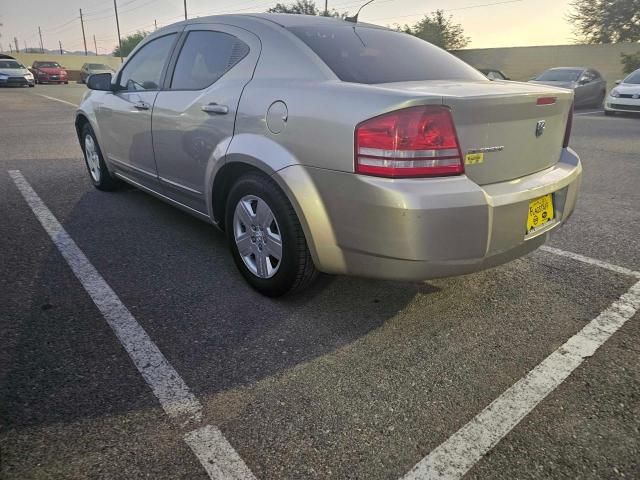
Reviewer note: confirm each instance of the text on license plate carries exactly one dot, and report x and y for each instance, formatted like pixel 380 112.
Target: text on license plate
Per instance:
pixel 540 212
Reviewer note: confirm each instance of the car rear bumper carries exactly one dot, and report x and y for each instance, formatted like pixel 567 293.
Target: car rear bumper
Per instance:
pixel 415 229
pixel 622 104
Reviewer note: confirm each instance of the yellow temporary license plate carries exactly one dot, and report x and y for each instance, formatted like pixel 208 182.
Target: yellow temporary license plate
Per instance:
pixel 540 212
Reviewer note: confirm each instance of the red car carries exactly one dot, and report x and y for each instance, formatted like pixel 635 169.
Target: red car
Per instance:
pixel 49 72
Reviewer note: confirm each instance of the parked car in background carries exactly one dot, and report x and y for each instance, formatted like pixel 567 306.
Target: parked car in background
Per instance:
pixel 493 74
pixel 13 73
pixel 319 146
pixel 49 72
pixel 625 97
pixel 588 85
pixel 91 68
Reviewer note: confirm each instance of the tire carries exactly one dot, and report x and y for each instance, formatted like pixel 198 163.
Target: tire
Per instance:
pixel 66 83
pixel 294 270
pixel 98 172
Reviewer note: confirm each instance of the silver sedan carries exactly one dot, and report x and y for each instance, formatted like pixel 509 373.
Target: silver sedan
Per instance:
pixel 323 145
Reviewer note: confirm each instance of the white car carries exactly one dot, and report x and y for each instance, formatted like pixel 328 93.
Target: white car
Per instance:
pixel 625 97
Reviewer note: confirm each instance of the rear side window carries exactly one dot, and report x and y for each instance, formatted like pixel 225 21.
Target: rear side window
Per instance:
pixel 372 55
pixel 205 57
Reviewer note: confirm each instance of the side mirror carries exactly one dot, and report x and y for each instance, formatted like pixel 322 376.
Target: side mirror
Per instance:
pixel 583 81
pixel 618 82
pixel 100 81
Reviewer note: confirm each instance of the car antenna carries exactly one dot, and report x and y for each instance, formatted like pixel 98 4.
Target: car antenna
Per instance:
pixel 354 19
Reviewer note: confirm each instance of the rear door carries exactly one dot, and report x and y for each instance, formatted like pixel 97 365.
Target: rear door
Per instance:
pixel 124 116
pixel 194 115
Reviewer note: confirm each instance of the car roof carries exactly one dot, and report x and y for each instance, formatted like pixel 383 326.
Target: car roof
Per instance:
pixel 569 68
pixel 283 19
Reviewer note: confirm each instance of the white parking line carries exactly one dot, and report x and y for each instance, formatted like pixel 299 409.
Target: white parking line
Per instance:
pixel 591 261
pixel 589 113
pixel 57 100
pixel 457 455
pixel 213 450
pixel 217 456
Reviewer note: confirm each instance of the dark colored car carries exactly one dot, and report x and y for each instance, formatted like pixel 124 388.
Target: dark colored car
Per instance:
pixel 493 74
pixel 49 72
pixel 588 85
pixel 92 68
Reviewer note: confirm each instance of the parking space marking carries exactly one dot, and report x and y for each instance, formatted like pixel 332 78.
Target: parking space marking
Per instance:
pixel 591 261
pixel 57 100
pixel 589 113
pixel 213 450
pixel 215 453
pixel 457 455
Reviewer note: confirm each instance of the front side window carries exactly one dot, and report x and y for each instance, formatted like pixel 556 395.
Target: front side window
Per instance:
pixel 144 70
pixel 205 57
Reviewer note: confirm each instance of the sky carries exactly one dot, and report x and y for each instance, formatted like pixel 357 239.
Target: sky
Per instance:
pixel 506 23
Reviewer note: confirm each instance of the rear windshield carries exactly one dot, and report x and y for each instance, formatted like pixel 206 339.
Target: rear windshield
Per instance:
pixel 559 76
pixel 371 55
pixel 633 78
pixel 47 64
pixel 98 66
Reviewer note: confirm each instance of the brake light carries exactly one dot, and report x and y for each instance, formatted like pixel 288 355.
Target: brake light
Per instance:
pixel 567 131
pixel 412 142
pixel 546 101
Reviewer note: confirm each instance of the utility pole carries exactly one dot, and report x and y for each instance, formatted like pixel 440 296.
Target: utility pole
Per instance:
pixel 326 8
pixel 155 22
pixel 15 39
pixel 10 49
pixel 41 44
pixel 25 46
pixel 115 7
pixel 185 9
pixel 60 43
pixel 84 38
pixel 95 44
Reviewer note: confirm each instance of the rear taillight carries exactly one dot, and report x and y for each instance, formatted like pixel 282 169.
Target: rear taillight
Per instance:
pixel 567 132
pixel 412 142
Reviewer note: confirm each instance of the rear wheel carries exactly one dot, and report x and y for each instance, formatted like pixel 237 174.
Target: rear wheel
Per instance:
pixel 98 173
pixel 266 239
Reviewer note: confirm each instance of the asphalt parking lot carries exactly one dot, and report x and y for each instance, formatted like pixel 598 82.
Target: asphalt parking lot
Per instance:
pixel 492 375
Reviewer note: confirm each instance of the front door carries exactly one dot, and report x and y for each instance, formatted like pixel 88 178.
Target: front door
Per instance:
pixel 193 117
pixel 124 117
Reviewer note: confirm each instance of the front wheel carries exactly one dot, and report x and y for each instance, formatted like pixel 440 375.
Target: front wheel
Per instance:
pixel 98 173
pixel 266 238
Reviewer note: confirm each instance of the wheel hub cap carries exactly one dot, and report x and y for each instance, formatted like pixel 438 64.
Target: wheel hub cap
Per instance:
pixel 257 236
pixel 92 157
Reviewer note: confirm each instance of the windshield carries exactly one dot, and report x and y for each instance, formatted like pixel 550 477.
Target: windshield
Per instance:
pixel 634 78
pixel 98 66
pixel 10 64
pixel 48 65
pixel 373 55
pixel 559 76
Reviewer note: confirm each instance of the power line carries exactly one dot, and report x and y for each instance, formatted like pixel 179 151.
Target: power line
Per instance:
pixel 450 9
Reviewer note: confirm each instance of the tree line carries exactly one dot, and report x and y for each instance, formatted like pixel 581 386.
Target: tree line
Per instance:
pixel 595 21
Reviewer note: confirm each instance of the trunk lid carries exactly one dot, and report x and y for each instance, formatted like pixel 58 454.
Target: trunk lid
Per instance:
pixel 499 120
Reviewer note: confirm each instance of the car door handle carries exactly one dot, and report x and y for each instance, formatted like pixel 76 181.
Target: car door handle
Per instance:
pixel 142 105
pixel 215 108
